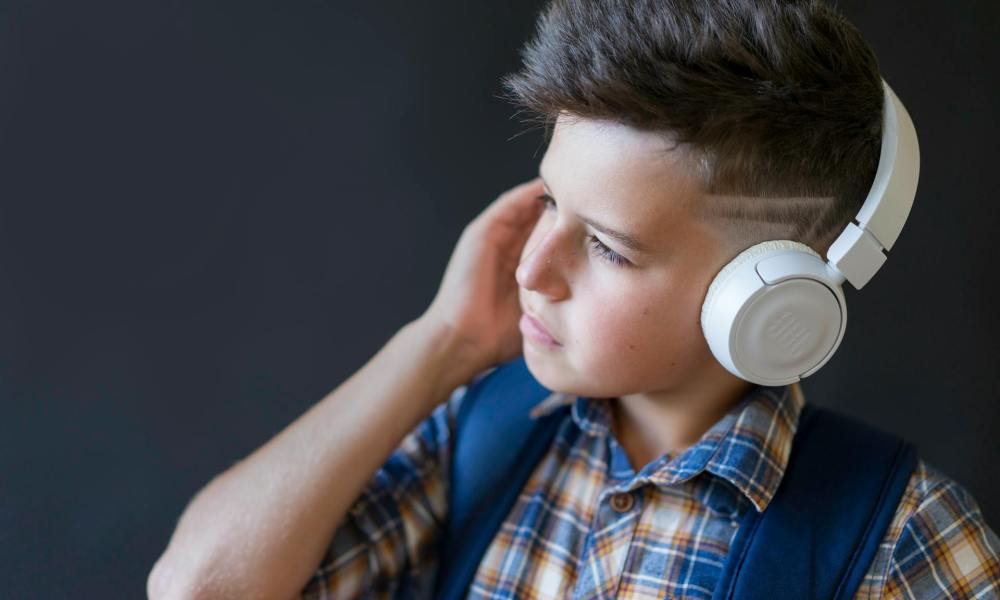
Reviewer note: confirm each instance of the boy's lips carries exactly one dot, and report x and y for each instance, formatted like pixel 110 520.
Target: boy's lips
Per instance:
pixel 534 328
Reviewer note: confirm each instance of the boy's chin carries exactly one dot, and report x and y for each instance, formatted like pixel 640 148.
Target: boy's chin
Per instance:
pixel 552 372
pixel 545 368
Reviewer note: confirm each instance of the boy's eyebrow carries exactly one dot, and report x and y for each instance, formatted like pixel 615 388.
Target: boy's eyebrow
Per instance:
pixel 625 239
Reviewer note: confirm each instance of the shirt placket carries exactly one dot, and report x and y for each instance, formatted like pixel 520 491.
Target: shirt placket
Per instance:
pixel 610 541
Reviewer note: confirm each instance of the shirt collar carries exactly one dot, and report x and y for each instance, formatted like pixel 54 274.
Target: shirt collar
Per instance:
pixel 749 447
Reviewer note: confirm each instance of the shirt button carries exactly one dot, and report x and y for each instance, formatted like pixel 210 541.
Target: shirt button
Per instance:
pixel 622 501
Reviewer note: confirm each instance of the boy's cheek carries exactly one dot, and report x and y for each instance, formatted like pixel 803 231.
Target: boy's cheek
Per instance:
pixel 610 337
pixel 654 335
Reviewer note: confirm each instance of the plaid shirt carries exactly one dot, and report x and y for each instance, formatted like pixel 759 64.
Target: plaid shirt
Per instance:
pixel 586 525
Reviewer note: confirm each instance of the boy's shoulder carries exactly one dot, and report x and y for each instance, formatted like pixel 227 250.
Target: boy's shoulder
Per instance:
pixel 937 543
pixel 929 484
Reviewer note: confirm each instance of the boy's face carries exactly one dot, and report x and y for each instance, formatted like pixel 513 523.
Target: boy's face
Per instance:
pixel 623 329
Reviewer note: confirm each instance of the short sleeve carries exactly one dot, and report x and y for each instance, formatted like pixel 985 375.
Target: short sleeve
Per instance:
pixel 386 544
pixel 938 546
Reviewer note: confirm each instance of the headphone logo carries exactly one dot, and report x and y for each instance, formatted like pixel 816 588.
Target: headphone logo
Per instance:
pixel 789 332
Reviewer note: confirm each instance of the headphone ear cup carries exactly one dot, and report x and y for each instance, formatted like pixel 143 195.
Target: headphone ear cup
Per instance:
pixel 773 314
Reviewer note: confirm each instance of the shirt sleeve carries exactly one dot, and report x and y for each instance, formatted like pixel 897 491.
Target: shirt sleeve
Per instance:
pixel 938 545
pixel 386 544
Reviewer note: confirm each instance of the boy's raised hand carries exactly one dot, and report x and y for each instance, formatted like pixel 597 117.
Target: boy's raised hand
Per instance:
pixel 478 297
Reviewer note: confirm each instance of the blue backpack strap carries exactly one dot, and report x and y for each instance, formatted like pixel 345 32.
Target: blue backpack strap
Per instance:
pixel 819 534
pixel 496 448
pixel 817 538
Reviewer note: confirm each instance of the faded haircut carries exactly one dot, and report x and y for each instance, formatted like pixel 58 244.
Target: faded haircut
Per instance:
pixel 778 103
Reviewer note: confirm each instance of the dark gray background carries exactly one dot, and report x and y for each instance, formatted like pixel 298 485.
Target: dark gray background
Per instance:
pixel 214 212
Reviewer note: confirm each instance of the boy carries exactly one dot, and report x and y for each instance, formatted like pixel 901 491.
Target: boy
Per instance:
pixel 684 132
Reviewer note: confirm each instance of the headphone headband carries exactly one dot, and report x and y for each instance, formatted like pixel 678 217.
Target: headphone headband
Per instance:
pixel 858 253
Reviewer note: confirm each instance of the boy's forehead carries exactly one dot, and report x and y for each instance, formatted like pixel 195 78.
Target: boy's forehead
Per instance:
pixel 637 178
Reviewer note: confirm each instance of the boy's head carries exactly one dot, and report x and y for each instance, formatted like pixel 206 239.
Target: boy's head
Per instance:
pixel 699 127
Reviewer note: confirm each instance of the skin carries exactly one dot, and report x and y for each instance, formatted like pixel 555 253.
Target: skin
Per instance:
pixel 628 332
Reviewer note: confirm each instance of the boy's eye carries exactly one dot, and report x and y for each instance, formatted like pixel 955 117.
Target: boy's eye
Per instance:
pixel 603 251
pixel 547 201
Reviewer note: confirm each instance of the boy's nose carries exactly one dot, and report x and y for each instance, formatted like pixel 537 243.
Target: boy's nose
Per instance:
pixel 541 268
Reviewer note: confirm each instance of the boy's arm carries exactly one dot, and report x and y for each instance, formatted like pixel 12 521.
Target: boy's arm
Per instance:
pixel 938 546
pixel 260 529
pixel 387 543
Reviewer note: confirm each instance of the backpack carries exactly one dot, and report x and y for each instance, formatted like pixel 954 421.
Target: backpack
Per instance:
pixel 816 539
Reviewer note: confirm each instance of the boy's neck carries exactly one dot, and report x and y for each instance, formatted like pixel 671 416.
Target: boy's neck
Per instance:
pixel 650 425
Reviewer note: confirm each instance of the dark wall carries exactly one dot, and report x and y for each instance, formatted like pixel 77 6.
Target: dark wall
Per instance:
pixel 212 213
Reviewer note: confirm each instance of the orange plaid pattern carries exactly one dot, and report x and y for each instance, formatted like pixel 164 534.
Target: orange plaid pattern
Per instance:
pixel 586 525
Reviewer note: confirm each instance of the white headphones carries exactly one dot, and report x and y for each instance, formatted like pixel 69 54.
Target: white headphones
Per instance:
pixel 776 312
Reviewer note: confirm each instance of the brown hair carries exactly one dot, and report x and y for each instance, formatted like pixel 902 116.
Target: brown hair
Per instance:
pixel 775 99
